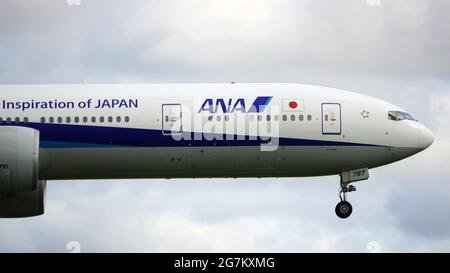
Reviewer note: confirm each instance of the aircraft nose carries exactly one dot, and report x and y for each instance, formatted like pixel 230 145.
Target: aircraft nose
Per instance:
pixel 426 137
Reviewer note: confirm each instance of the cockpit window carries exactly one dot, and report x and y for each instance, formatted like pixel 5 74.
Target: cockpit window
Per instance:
pixel 398 115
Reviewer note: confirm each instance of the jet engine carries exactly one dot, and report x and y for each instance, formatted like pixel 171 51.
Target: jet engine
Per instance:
pixel 21 192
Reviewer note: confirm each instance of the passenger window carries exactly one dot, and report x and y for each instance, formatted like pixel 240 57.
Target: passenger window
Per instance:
pixel 260 118
pixel 102 119
pixel 110 119
pixel 118 119
pixel 68 119
pixel 60 119
pixel 309 117
pixel 51 119
pixel 292 117
pixel 93 119
pixel 284 118
pixel 218 118
pixel 127 119
pixel 268 118
pixel 301 117
pixel 25 119
pixel 77 119
pixel 85 119
pixel 8 120
pixel 276 118
pixel 227 118
pixel 43 119
pixel 1 119
pixel 17 120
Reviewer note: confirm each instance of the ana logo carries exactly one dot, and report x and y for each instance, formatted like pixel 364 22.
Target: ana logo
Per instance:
pixel 235 105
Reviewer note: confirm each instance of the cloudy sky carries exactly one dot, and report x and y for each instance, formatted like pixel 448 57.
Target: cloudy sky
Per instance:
pixel 395 50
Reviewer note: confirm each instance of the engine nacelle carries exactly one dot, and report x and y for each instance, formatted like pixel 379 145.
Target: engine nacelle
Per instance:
pixel 21 194
pixel 19 159
pixel 24 204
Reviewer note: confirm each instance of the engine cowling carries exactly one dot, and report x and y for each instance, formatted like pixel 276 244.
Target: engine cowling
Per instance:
pixel 24 204
pixel 21 193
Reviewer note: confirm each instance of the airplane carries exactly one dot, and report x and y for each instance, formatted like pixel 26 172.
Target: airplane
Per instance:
pixel 230 130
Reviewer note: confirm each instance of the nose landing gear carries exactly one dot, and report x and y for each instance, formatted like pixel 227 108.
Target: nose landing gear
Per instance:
pixel 344 208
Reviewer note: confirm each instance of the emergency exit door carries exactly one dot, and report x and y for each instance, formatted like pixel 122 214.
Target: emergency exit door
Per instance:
pixel 331 119
pixel 171 119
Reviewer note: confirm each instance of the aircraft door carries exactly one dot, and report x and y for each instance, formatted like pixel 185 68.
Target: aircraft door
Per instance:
pixel 171 119
pixel 331 119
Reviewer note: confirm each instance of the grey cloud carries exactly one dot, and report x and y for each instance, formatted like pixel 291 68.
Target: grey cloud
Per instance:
pixel 423 210
pixel 241 40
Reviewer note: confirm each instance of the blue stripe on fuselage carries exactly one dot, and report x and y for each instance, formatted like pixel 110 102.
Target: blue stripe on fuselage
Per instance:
pixel 86 136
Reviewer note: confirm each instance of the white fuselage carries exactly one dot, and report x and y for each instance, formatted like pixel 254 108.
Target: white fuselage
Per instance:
pixel 207 130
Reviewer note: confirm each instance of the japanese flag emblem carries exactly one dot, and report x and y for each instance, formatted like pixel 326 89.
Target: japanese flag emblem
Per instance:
pixel 293 105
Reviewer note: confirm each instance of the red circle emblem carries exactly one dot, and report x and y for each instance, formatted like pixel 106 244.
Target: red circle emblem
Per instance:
pixel 293 104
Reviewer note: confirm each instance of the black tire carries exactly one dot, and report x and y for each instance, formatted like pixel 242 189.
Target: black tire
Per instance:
pixel 344 209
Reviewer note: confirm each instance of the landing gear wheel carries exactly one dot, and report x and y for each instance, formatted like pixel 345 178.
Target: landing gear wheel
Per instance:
pixel 344 209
